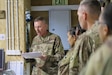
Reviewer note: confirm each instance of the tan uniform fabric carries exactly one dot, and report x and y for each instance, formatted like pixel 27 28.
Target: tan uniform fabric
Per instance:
pixel 86 44
pixel 107 69
pixel 64 63
pixel 75 59
pixel 98 59
pixel 49 45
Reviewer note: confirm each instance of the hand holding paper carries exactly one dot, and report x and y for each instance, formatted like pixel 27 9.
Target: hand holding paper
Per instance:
pixel 43 57
pixel 31 55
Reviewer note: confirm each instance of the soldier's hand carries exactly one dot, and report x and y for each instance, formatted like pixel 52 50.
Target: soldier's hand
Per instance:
pixel 43 57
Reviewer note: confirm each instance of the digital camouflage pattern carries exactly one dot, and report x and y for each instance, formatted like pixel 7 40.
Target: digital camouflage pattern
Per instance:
pixel 81 53
pixel 98 60
pixel 64 63
pixel 93 33
pixel 77 57
pixel 50 45
pixel 85 45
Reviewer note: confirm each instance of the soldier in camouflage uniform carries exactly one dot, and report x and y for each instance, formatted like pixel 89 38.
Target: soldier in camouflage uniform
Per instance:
pixel 88 13
pixel 49 45
pixel 107 69
pixel 98 61
pixel 72 34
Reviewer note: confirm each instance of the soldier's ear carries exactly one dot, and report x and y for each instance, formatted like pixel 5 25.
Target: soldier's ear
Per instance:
pixel 84 15
pixel 105 29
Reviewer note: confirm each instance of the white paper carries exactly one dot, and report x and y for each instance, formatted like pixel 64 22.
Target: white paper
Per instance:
pixel 31 55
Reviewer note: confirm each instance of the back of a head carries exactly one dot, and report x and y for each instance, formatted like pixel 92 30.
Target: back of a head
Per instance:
pixel 107 16
pixel 102 2
pixel 93 7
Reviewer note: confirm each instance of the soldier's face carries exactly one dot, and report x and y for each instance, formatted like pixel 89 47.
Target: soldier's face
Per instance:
pixel 82 17
pixel 40 28
pixel 71 39
pixel 103 29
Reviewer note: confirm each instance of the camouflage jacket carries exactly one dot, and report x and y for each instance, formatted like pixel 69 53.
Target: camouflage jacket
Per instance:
pixel 85 45
pixel 63 66
pixel 98 60
pixel 94 35
pixel 107 68
pixel 51 46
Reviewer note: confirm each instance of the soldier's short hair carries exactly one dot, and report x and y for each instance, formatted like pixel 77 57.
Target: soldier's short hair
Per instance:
pixel 93 6
pixel 40 18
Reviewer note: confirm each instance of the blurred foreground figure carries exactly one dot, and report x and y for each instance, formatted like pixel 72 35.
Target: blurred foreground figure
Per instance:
pixel 99 60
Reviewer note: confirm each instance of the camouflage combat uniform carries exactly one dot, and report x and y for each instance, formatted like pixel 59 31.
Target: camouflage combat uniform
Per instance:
pixel 64 63
pixel 85 45
pixel 107 68
pixel 51 46
pixel 99 59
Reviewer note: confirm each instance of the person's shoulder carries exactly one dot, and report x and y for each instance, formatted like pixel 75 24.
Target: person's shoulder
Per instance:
pixel 84 37
pixel 36 37
pixel 53 35
pixel 81 36
pixel 103 51
pixel 93 30
pixel 108 53
pixel 107 69
pixel 108 42
pixel 106 46
pixel 93 33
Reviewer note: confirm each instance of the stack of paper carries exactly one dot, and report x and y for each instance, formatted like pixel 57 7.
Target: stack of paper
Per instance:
pixel 31 55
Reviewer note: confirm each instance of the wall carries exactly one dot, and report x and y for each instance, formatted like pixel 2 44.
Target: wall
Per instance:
pixel 49 2
pixel 2 24
pixel 16 42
